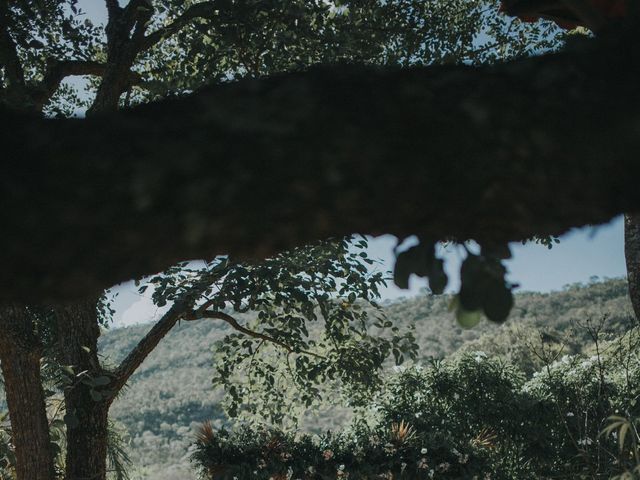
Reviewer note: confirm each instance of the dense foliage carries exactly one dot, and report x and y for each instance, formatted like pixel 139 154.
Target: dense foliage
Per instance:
pixel 468 417
pixel 315 326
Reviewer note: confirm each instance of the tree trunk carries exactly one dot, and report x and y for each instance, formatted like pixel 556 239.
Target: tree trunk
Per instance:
pixel 20 354
pixel 87 442
pixel 110 90
pixel 632 258
pixel 87 401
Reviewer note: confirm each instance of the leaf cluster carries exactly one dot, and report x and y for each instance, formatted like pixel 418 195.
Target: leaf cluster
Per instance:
pixel 316 327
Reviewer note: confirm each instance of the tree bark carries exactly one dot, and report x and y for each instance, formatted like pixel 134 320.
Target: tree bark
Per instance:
pixel 87 401
pixel 125 34
pixel 496 153
pixel 632 258
pixel 20 354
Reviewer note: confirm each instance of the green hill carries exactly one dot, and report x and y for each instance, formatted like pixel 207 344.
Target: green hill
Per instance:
pixel 171 392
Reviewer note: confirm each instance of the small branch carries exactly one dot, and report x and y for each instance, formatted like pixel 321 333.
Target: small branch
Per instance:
pixel 131 11
pixel 199 10
pixel 135 17
pixel 59 70
pixel 130 364
pixel 113 9
pixel 250 333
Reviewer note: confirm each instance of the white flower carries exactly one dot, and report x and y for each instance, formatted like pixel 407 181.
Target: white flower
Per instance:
pixel 570 414
pixel 341 468
pixel 423 451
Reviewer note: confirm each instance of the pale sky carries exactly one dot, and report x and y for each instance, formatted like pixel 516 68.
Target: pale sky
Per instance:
pixel 581 254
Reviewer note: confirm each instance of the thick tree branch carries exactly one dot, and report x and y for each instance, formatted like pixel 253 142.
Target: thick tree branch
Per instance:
pixel 248 332
pixel 132 12
pixel 125 33
pixel 135 358
pixel 135 17
pixel 199 10
pixel 113 9
pixel 497 153
pixel 58 70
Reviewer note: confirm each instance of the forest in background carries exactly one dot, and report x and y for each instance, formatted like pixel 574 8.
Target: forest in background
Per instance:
pixel 171 394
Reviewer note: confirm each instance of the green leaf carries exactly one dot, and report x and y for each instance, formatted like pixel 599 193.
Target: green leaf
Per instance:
pixel 498 302
pixel 102 380
pixel 402 270
pixel 468 319
pixel 438 279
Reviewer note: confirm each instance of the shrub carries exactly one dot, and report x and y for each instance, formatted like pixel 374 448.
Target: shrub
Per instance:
pixel 468 417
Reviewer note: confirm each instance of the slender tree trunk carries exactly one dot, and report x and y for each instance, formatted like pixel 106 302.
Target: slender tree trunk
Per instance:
pixel 88 400
pixel 632 258
pixel 20 354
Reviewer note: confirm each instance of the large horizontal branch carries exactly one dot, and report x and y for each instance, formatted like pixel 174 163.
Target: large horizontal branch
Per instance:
pixel 496 153
pixel 58 70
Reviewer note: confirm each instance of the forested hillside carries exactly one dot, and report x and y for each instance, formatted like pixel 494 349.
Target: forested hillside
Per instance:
pixel 171 393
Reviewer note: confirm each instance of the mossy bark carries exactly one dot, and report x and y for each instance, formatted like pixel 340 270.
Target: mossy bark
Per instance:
pixel 20 354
